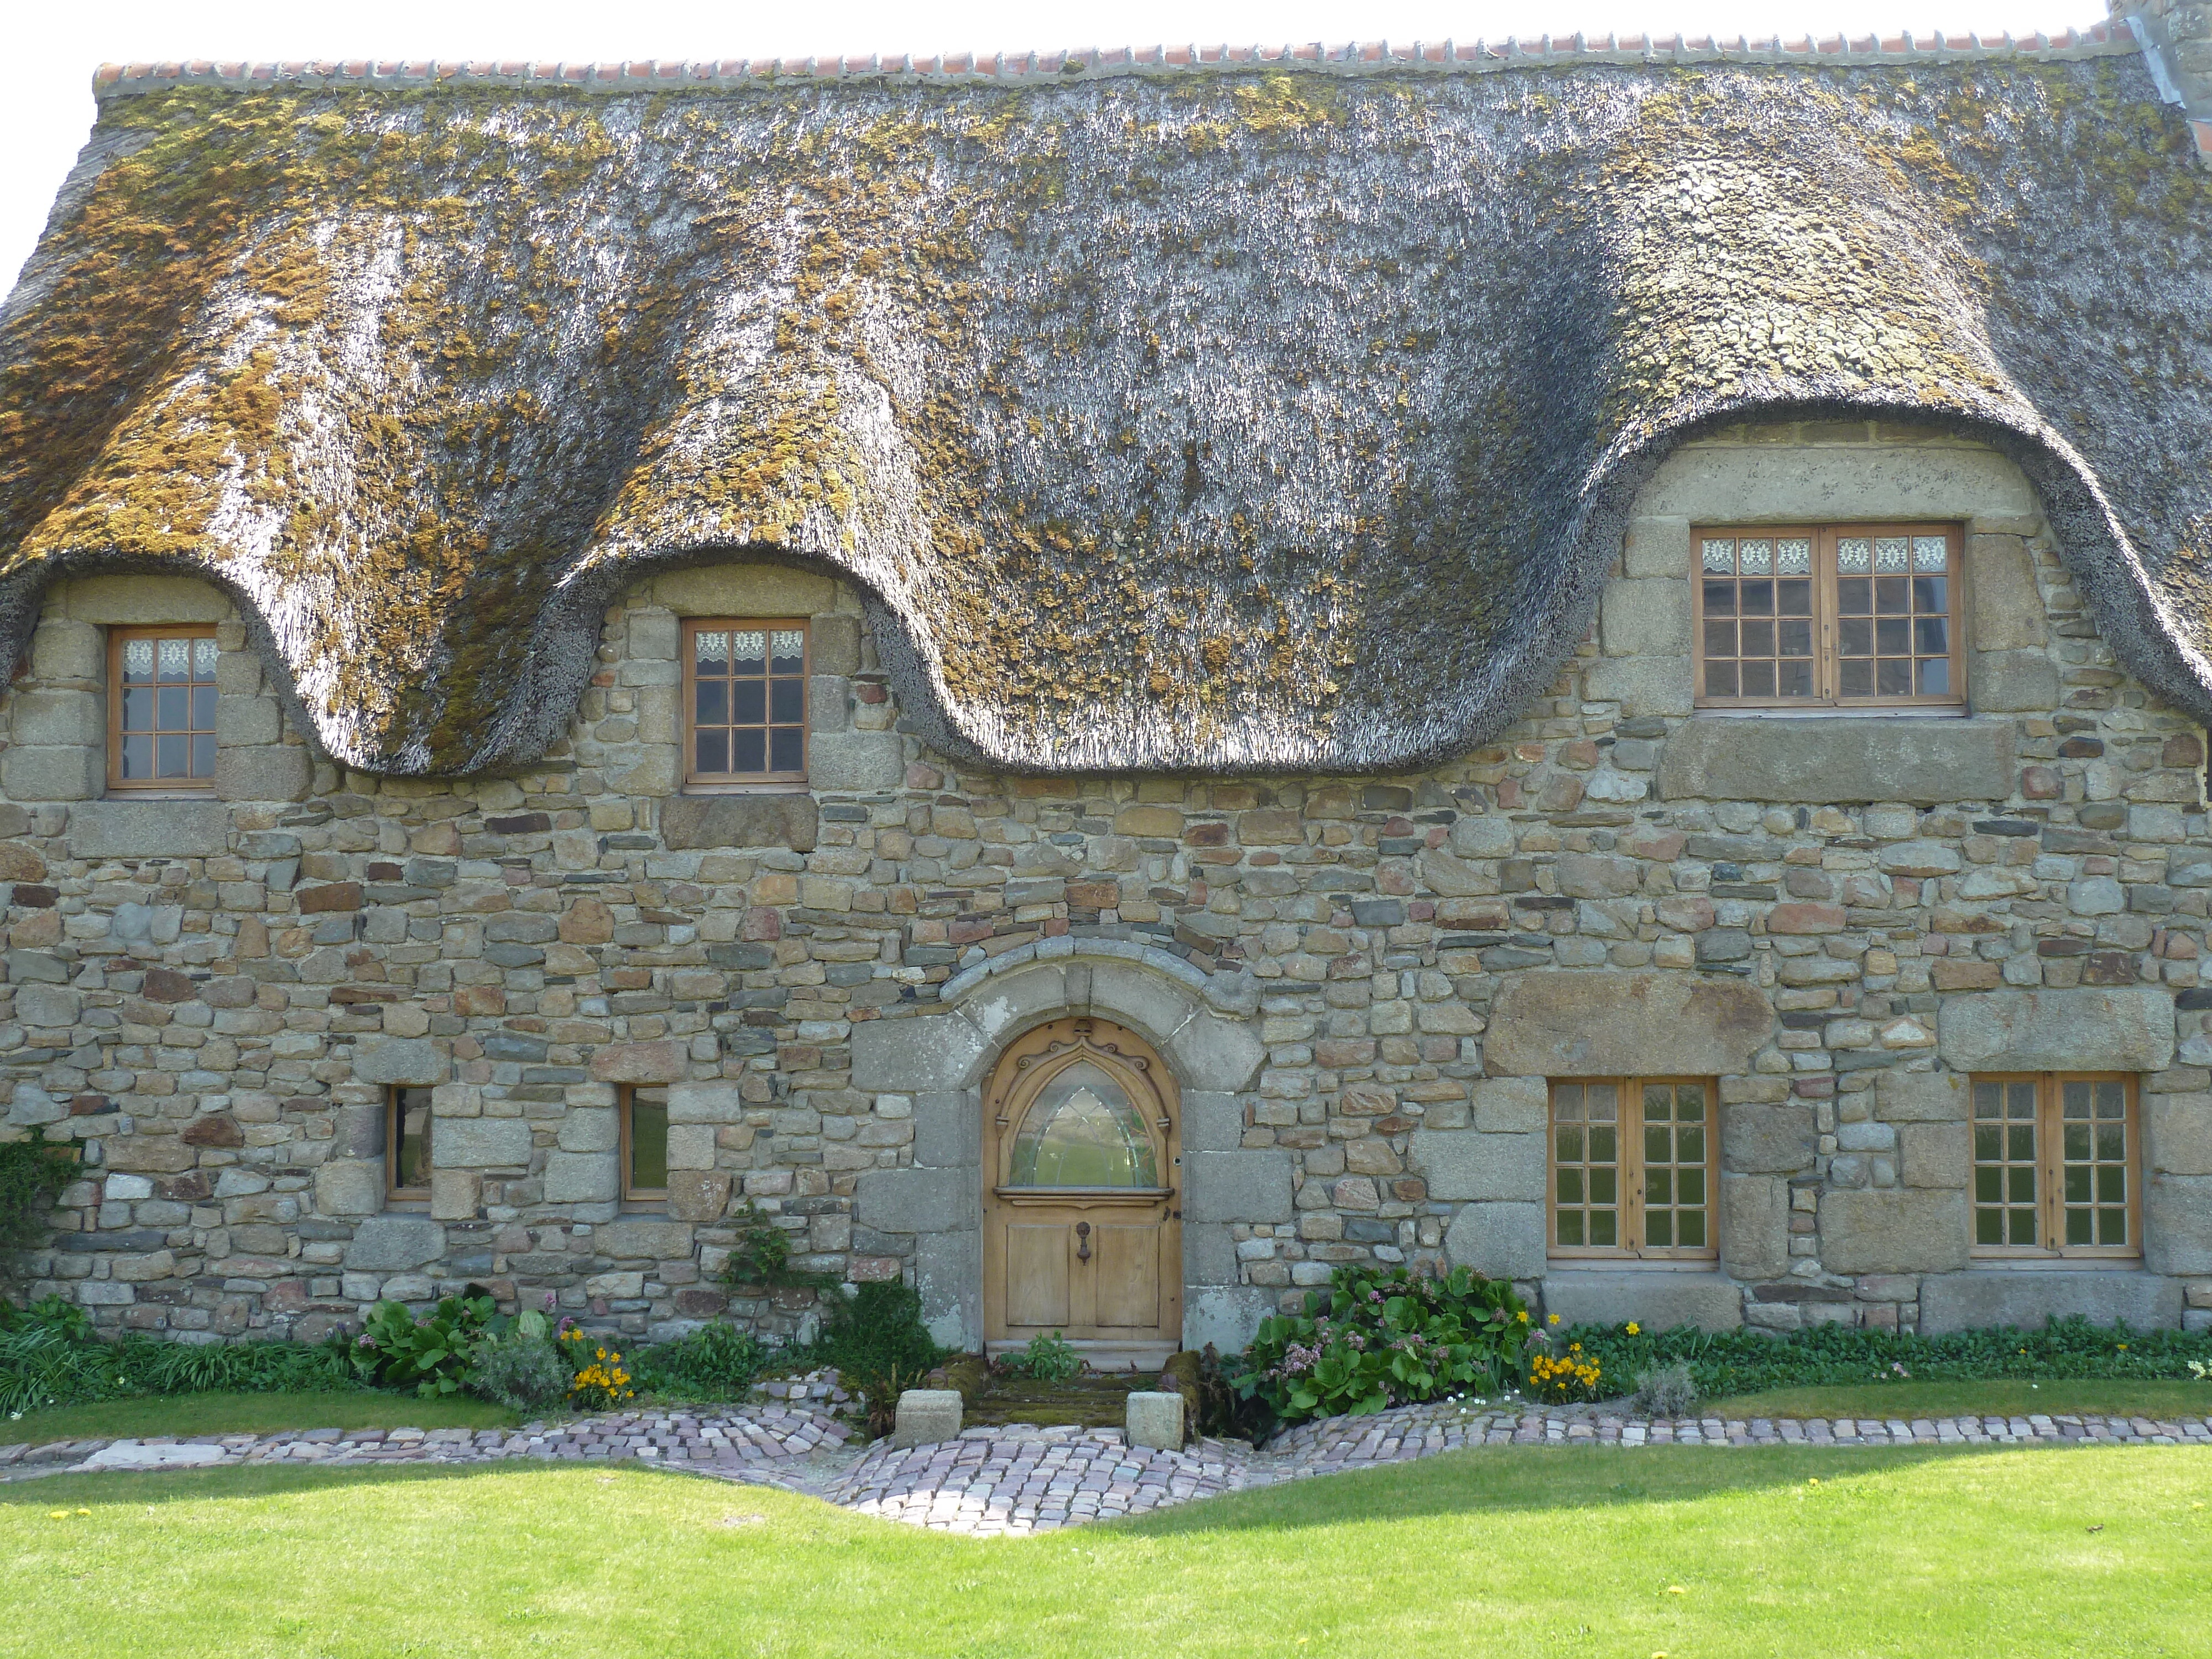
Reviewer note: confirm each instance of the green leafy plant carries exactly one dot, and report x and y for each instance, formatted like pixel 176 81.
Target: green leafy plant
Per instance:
pixel 31 1172
pixel 1666 1390
pixel 761 1259
pixel 597 1382
pixel 1049 1358
pixel 431 1355
pixel 1386 1339
pixel 520 1368
pixel 717 1362
pixel 879 1346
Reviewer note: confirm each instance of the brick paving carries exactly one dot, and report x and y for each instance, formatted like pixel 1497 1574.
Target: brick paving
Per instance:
pixel 1017 1479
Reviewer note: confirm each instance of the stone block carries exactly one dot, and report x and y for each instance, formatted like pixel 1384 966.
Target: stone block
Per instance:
pixel 948 1272
pixel 264 772
pixel 1216 1054
pixel 61 719
pixel 2176 1225
pixel 1209 1252
pixel 1213 1121
pixel 581 1178
pixel 1893 1231
pixel 1656 547
pixel 148 828
pixel 691 1146
pixel 410 1060
pixel 634 1238
pixel 2177 1134
pixel 1513 1105
pixel 698 1194
pixel 1985 1300
pixel 72 773
pixel 244 721
pixel 1607 1024
pixel 1754 1226
pixel 1141 997
pixel 64 650
pixel 2004 607
pixel 1642 685
pixel 598 1129
pixel 1934 1154
pixel 1227 1315
pixel 1006 1001
pixel 744 590
pixel 1499 1240
pixel 1922 1097
pixel 689 821
pixel 1656 1300
pixel 2124 1029
pixel 856 762
pixel 714 1102
pixel 1754 483
pixel 828 703
pixel 394 1243
pixel 50 1007
pixel 914 1056
pixel 918 1200
pixel 1468 1164
pixel 480 1143
pixel 833 645
pixel 948 1130
pixel 927 1416
pixel 667 1060
pixel 1839 762
pixel 151 1154
pixel 455 1194
pixel 141 599
pixel 1645 618
pixel 1243 1186
pixel 348 1187
pixel 2024 682
pixel 1153 1420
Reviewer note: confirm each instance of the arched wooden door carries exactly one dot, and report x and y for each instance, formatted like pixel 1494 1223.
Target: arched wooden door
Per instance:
pixel 1082 1214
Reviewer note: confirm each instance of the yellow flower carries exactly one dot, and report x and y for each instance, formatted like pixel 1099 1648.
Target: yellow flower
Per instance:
pixel 1524 1315
pixel 1552 1319
pixel 1634 1329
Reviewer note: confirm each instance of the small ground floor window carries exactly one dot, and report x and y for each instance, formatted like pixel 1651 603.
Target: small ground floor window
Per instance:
pixel 407 1143
pixel 2055 1165
pixel 1631 1168
pixel 645 1146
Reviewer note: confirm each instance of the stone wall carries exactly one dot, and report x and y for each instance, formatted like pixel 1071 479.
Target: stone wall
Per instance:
pixel 1362 984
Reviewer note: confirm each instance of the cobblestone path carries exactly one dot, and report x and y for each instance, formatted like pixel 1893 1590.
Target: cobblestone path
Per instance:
pixel 1017 1479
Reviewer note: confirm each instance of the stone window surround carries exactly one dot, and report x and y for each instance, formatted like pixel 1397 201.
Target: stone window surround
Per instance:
pixel 60 726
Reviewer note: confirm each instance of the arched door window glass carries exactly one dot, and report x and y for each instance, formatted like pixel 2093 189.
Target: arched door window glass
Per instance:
pixel 1082 1130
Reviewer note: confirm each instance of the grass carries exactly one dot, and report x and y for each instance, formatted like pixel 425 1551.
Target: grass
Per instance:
pixel 186 1414
pixel 2004 1397
pixel 1696 1554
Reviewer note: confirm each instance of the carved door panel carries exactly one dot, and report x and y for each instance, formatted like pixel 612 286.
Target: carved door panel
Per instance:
pixel 1082 1212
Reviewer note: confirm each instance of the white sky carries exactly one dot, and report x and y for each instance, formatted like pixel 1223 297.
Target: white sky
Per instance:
pixel 54 47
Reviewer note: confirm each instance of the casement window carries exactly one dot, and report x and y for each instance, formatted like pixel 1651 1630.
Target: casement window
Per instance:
pixel 644 1145
pixel 407 1143
pixel 2056 1165
pixel 744 702
pixel 1830 616
pixel 160 708
pixel 1632 1167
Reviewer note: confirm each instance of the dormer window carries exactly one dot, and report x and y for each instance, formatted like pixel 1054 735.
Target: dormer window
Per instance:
pixel 161 709
pixel 1842 616
pixel 744 696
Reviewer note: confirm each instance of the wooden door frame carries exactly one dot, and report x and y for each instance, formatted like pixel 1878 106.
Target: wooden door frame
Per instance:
pixel 1012 1084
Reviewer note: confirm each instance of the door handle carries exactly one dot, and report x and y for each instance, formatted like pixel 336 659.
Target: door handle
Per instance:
pixel 1083 1241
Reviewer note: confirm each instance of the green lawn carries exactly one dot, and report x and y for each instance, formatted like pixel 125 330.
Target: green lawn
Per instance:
pixel 2092 1397
pixel 1696 1554
pixel 185 1414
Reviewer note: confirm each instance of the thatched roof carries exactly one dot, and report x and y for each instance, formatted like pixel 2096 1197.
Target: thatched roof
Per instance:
pixel 1248 417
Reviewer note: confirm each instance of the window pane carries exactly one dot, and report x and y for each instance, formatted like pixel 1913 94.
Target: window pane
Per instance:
pixel 1604 1229
pixel 1855 679
pixel 1758 639
pixel 787 651
pixel 1893 677
pixel 787 699
pixel 1570 1141
pixel 137 661
pixel 203 708
pixel 1082 1130
pixel 1793 678
pixel 786 749
pixel 1891 637
pixel 138 757
pixel 410 1147
pixel 138 711
pixel 1570 1187
pixel 1659 1229
pixel 1936 676
pixel 1720 599
pixel 1758 679
pixel 1721 679
pixel 172 756
pixel 1570 1228
pixel 748 702
pixel 203 755
pixel 710 702
pixel 748 750
pixel 1756 598
pixel 172 711
pixel 1854 596
pixel 712 754
pixel 1719 637
pixel 648 1139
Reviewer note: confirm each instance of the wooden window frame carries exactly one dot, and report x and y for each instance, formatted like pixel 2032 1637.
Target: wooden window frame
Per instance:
pixel 2050 1167
pixel 1630 1167
pixel 394 1095
pixel 635 1197
pixel 118 637
pixel 698 782
pixel 1827 672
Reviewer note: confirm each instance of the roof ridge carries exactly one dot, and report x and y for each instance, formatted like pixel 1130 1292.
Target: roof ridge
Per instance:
pixel 1356 58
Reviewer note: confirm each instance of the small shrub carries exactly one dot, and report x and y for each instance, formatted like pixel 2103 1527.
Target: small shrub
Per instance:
pixel 876 1340
pixel 761 1259
pixel 1049 1358
pixel 431 1355
pixel 1563 1377
pixel 1665 1391
pixel 1385 1339
pixel 31 1172
pixel 717 1362
pixel 521 1368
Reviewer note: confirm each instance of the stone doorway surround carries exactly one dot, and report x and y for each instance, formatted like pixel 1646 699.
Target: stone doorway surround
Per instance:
pixel 936 1065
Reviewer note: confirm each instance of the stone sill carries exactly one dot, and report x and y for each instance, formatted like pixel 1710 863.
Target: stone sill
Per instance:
pixel 2053 1264
pixel 1906 711
pixel 744 789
